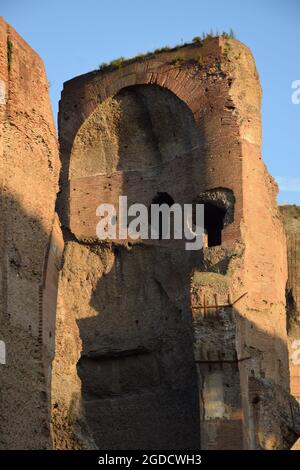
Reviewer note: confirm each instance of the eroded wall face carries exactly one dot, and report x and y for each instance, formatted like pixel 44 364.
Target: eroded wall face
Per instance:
pixel 291 218
pixel 126 132
pixel 131 303
pixel 136 365
pixel 261 325
pixel 140 302
pixel 29 181
pixel 214 320
pixel 153 345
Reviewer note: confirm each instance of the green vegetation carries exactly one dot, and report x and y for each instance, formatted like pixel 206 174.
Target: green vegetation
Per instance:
pixel 9 54
pixel 197 41
pixel 117 63
pixel 229 35
pixel 114 64
pixel 141 56
pixel 177 60
pixel 163 49
pixel 103 66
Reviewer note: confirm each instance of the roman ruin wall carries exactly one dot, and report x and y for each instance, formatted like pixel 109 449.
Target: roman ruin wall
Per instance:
pixel 30 244
pixel 124 344
pixel 188 129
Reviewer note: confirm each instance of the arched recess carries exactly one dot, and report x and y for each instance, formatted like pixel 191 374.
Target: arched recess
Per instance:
pixel 142 126
pixel 83 98
pixel 139 382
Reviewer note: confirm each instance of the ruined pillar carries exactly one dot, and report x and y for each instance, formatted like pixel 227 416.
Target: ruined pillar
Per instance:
pixel 29 182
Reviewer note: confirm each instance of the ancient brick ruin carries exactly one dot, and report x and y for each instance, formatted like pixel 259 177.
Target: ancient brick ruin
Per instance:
pixel 122 345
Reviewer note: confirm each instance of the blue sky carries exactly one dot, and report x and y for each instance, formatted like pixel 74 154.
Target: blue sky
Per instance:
pixel 74 37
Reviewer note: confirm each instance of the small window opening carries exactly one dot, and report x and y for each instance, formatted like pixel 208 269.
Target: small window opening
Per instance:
pixel 213 223
pixel 161 198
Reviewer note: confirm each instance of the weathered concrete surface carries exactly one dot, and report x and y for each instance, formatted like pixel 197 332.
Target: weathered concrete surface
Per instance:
pixel 29 176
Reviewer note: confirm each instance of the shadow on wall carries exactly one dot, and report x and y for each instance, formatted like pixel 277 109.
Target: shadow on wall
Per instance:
pixel 138 375
pixel 139 384
pixel 275 412
pixel 25 387
pixel 236 396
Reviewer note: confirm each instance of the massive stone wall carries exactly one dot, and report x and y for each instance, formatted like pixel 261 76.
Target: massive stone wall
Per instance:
pixel 136 366
pixel 154 346
pixel 185 124
pixel 29 182
pixel 291 217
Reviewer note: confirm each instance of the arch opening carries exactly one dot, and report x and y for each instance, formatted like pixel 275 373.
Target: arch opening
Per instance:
pixel 134 317
pixel 161 198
